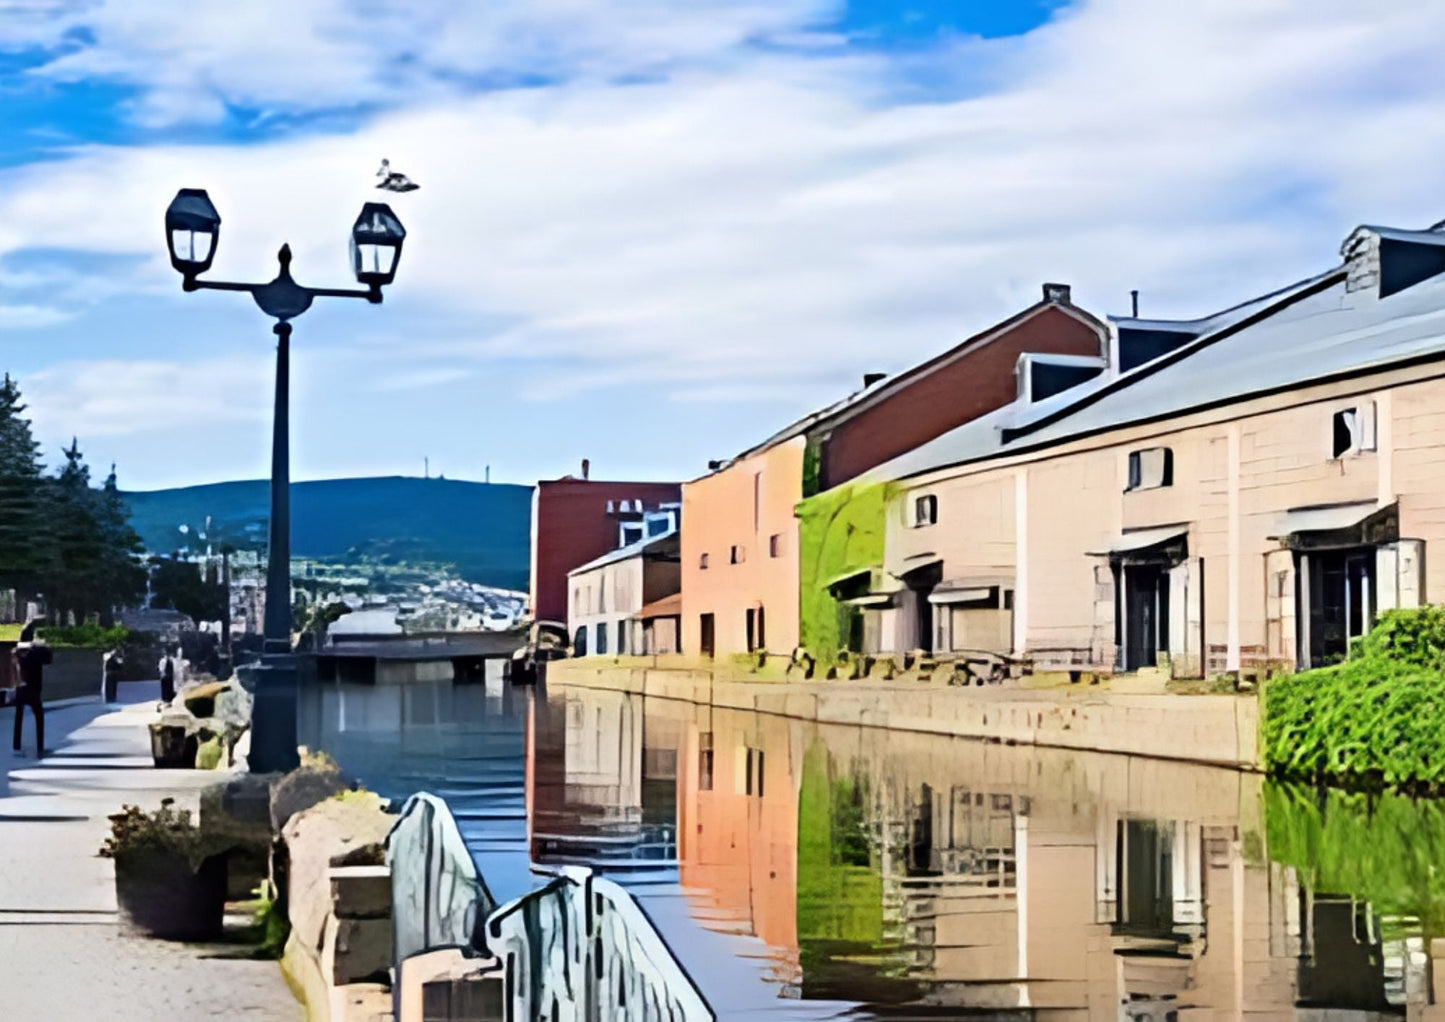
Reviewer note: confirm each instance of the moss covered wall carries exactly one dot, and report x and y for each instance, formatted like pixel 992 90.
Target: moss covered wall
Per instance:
pixel 840 530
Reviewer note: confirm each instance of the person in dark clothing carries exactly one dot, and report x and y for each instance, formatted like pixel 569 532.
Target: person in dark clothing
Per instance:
pixel 168 678
pixel 113 665
pixel 31 659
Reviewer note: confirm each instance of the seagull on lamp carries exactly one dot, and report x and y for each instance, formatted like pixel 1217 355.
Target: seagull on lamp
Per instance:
pixel 394 181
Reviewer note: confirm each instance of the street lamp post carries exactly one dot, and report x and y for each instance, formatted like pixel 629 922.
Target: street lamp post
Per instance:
pixel 193 229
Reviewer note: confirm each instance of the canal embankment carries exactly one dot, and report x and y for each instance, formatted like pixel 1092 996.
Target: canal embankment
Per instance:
pixel 1221 729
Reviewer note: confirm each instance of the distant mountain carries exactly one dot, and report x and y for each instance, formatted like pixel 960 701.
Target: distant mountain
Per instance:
pixel 482 529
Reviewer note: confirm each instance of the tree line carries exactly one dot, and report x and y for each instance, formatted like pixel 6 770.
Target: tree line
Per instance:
pixel 64 541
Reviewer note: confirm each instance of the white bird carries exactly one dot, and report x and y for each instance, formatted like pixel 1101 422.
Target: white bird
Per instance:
pixel 393 181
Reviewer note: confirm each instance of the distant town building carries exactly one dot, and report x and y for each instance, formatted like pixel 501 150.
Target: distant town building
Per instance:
pixel 575 520
pixel 605 610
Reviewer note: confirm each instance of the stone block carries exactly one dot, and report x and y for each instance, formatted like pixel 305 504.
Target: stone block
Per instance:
pixel 361 892
pixel 356 951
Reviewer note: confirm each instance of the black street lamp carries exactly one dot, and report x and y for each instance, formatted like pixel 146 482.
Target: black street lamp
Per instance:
pixel 193 229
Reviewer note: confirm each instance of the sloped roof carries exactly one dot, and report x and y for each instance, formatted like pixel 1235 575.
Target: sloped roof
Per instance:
pixel 647 545
pixel 867 395
pixel 1306 333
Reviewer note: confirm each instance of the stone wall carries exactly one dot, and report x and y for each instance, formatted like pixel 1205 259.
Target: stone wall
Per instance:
pixel 1216 729
pixel 338 899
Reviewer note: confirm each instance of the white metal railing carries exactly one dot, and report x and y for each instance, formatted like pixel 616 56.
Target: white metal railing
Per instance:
pixel 580 949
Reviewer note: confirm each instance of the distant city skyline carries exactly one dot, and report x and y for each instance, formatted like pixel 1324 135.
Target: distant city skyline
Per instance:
pixel 649 234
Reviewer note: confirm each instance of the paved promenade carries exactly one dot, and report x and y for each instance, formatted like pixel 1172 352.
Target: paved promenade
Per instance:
pixel 63 956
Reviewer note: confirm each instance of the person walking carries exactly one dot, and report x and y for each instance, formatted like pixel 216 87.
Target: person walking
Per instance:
pixel 113 664
pixel 32 656
pixel 168 678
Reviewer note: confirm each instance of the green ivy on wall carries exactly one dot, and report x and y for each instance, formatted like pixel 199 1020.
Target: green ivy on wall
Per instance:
pixel 840 530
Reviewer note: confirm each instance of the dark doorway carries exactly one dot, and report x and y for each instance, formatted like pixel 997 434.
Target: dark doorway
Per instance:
pixel 1146 614
pixel 707 642
pixel 1341 600
pixel 922 581
pixel 1145 854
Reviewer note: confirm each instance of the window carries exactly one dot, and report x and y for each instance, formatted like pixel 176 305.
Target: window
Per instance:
pixel 1353 430
pixel 579 642
pixel 775 545
pixel 753 780
pixel 704 761
pixel 631 532
pixel 925 511
pixel 622 638
pixel 601 637
pixel 702 562
pixel 706 642
pixel 1150 469
pixel 757 639
pixel 738 555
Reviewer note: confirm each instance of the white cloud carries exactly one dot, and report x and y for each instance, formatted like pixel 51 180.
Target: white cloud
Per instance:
pixel 752 218
pixel 111 397
pixel 190 58
pixel 30 317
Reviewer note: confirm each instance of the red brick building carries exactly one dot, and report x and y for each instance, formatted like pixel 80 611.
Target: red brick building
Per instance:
pixel 967 381
pixel 576 520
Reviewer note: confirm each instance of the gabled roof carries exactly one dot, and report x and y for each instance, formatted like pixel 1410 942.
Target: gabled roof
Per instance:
pixel 1308 333
pixel 861 399
pixel 641 547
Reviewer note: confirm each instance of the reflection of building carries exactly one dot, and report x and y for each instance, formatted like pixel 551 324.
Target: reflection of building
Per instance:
pixel 603 791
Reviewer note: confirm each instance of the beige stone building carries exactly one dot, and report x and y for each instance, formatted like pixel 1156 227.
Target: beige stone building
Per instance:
pixel 609 599
pixel 1256 492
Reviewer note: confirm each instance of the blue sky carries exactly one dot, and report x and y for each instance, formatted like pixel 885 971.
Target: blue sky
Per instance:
pixel 652 231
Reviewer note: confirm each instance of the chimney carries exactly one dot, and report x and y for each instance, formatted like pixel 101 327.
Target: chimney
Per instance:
pixel 1134 302
pixel 714 465
pixel 586 468
pixel 1059 294
pixel 871 378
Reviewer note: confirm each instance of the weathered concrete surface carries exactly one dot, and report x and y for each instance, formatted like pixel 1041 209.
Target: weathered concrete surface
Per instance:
pixel 1217 729
pixel 341 939
pixel 63 957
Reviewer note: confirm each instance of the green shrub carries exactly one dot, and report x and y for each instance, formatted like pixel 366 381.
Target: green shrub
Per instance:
pixel 1376 720
pixel 84 636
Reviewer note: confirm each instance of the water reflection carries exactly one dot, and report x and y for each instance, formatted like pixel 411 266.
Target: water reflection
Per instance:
pixel 808 871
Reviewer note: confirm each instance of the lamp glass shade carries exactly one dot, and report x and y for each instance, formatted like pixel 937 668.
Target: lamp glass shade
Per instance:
pixel 193 228
pixel 376 241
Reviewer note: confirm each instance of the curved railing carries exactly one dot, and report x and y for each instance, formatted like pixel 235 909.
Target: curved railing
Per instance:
pixel 438 898
pixel 577 949
pixel 580 949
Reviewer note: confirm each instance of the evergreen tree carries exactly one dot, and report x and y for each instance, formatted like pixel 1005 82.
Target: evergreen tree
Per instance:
pixel 122 573
pixel 74 586
pixel 24 536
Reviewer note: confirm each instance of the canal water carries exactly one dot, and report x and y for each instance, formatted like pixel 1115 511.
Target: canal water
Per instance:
pixel 803 871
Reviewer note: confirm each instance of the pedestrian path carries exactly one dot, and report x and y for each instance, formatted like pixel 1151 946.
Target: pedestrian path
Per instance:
pixel 63 954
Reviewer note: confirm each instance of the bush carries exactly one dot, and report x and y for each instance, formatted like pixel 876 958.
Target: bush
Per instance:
pixel 84 636
pixel 1376 720
pixel 165 831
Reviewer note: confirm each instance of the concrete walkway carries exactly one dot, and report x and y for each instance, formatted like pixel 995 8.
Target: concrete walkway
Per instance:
pixel 63 955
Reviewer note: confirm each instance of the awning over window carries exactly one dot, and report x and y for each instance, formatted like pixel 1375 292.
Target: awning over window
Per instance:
pixel 668 606
pixel 853 576
pixel 1140 540
pixel 1358 524
pixel 973 589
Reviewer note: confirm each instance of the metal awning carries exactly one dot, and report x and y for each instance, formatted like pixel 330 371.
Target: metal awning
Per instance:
pixel 668 606
pixel 1322 519
pixel 1139 540
pixel 969 590
pixel 870 600
pixel 852 575
pixel 1338 525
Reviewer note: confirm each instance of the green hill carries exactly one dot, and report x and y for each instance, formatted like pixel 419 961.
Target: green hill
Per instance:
pixel 482 529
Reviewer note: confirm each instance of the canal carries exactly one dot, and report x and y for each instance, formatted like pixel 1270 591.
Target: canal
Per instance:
pixel 803 871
